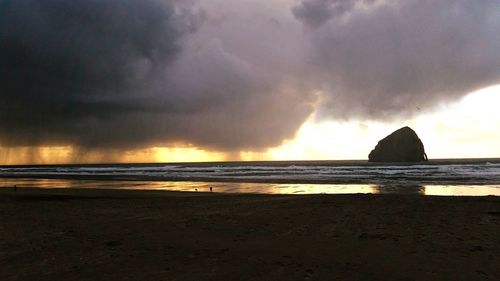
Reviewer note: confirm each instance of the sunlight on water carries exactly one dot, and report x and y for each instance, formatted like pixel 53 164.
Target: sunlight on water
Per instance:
pixel 466 190
pixel 320 188
pixel 266 188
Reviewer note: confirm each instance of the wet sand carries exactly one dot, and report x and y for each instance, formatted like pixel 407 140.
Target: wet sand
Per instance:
pixel 71 234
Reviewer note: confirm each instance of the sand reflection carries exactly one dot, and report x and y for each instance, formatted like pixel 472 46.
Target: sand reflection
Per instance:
pixel 266 188
pixel 463 190
pixel 399 189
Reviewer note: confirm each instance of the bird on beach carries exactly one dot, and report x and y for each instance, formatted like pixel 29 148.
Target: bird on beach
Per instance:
pixel 210 189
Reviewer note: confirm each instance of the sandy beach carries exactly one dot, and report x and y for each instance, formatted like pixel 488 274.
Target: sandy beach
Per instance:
pixel 71 234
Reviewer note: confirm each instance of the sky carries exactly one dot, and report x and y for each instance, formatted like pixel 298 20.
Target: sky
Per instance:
pixel 215 80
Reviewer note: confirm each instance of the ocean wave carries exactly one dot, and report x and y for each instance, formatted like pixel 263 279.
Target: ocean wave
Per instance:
pixel 428 173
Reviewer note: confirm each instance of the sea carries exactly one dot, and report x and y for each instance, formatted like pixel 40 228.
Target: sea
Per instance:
pixel 453 177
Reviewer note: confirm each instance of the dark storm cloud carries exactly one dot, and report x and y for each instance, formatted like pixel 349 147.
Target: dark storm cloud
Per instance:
pixel 127 74
pixel 63 63
pixel 230 75
pixel 383 59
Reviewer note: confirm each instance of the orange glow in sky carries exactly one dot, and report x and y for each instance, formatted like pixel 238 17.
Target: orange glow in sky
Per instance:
pixel 469 128
pixel 68 155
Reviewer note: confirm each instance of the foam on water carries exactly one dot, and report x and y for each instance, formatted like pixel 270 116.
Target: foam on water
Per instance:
pixel 429 174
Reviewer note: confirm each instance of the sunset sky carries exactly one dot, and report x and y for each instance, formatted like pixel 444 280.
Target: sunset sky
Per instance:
pixel 215 80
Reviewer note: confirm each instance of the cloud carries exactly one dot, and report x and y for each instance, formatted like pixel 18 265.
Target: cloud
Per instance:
pixel 99 74
pixel 230 75
pixel 380 60
pixel 65 65
pixel 317 12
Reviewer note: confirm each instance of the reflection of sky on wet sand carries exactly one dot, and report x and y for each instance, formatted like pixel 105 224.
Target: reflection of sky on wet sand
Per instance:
pixel 399 189
pixel 465 190
pixel 267 188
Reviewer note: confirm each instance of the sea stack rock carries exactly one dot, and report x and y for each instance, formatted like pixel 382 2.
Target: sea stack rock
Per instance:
pixel 402 145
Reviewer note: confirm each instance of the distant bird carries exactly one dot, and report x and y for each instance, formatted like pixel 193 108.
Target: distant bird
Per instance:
pixel 196 189
pixel 210 189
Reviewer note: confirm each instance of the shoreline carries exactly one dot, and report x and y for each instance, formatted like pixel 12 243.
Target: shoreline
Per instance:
pixel 133 178
pixel 253 188
pixel 96 234
pixel 459 172
pixel 111 193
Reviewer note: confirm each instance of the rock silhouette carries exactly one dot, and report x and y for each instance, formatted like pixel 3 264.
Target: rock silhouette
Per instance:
pixel 402 145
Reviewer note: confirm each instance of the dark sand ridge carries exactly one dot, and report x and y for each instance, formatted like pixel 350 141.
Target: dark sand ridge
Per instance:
pixel 94 235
